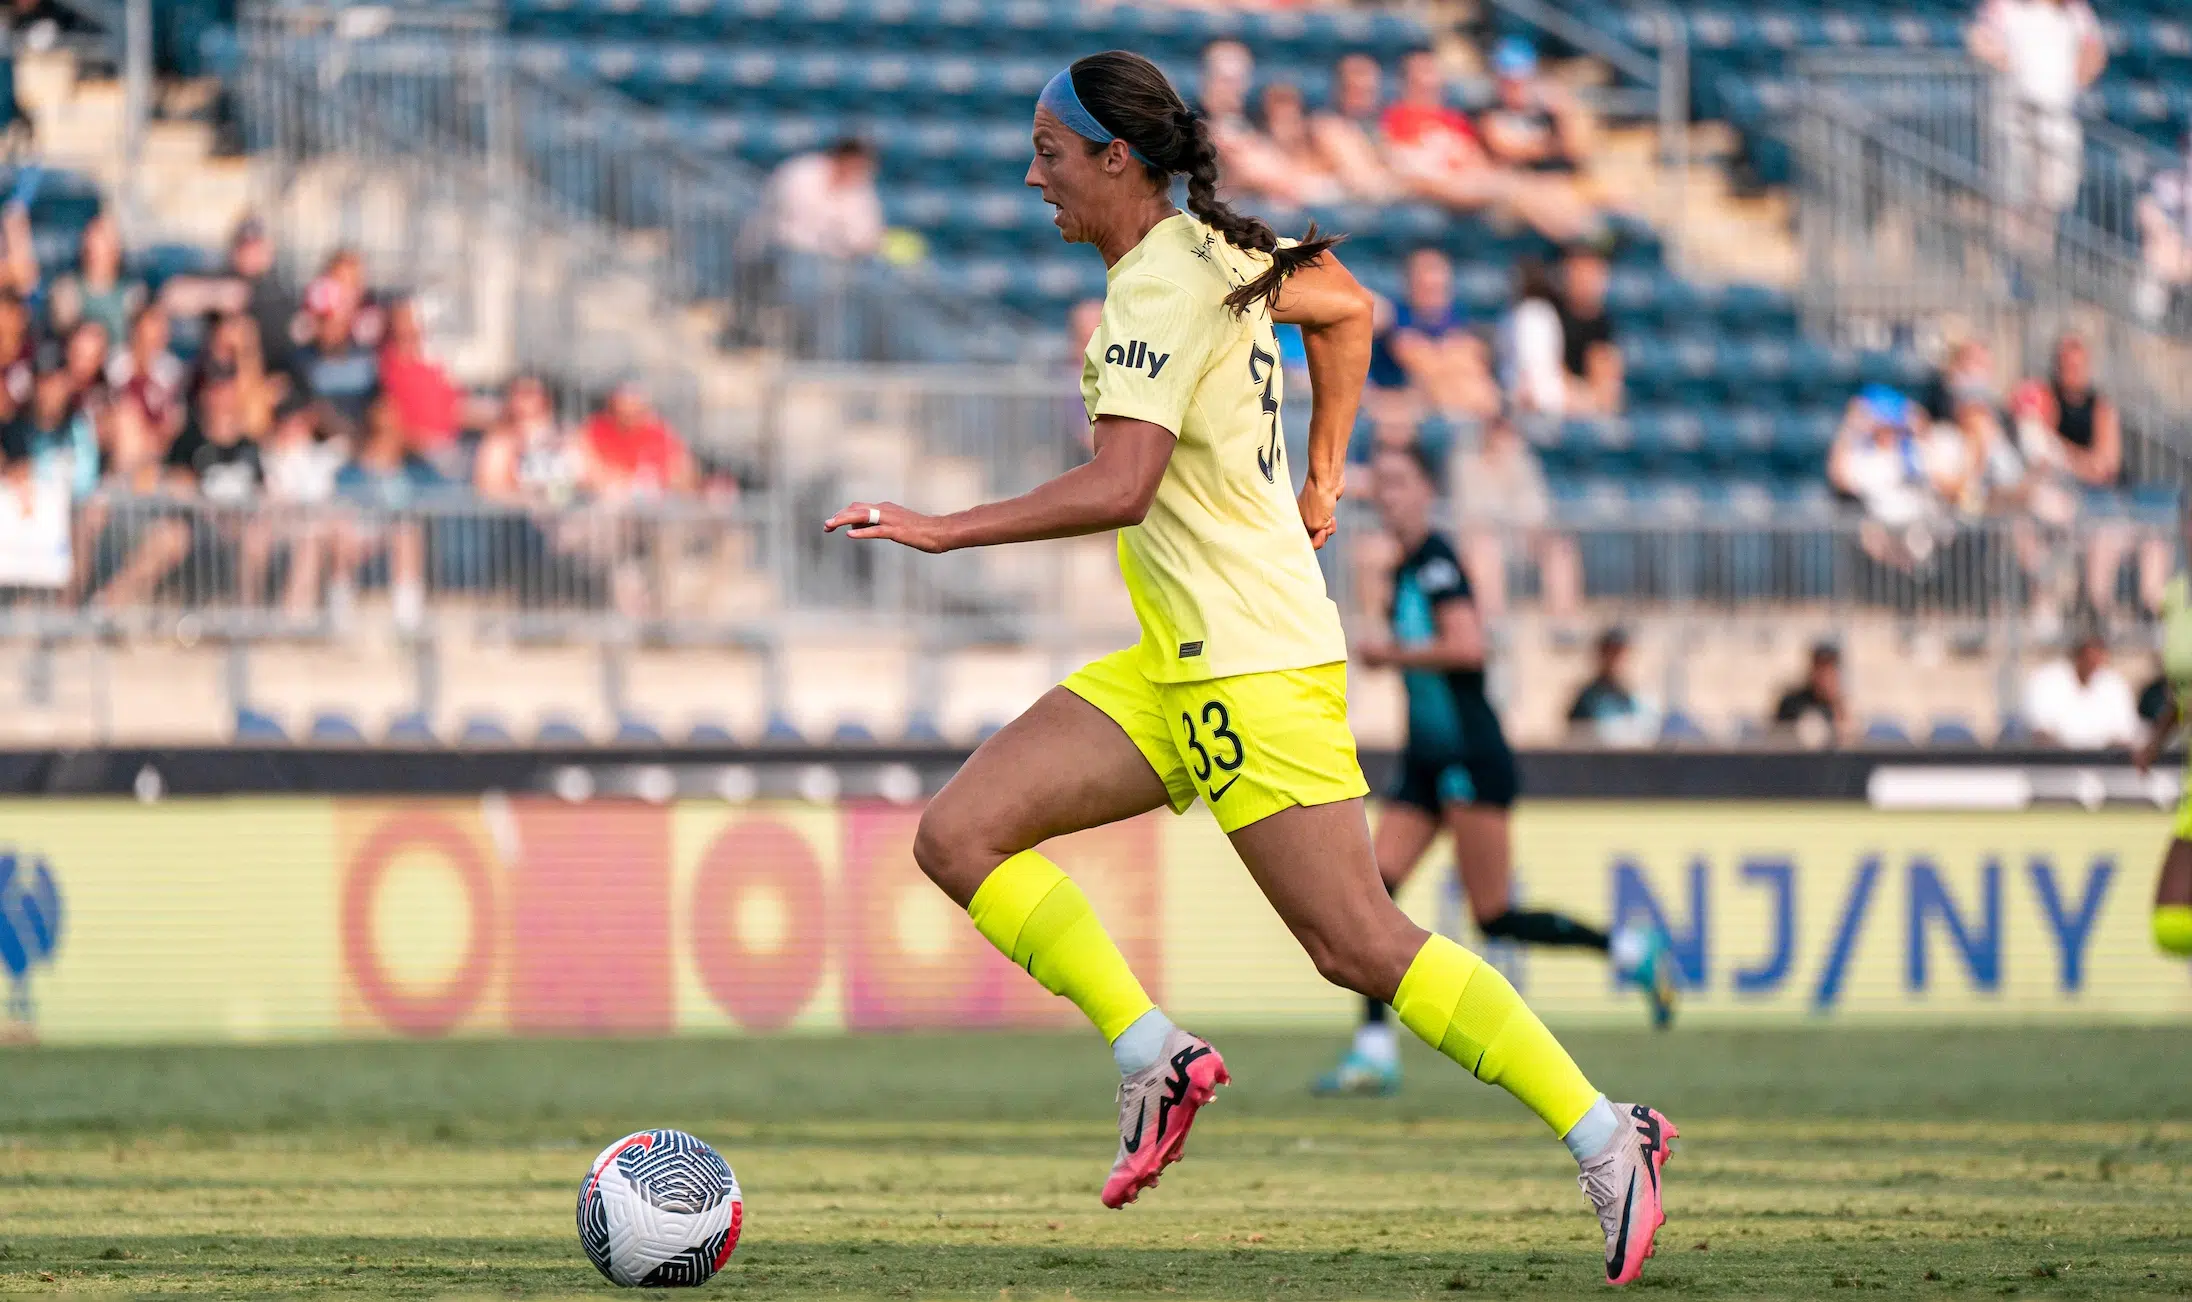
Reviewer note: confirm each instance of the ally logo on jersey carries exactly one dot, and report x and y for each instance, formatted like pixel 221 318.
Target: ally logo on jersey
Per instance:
pixel 1137 355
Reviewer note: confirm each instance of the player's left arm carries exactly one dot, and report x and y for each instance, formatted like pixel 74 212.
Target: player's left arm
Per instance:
pixel 1335 314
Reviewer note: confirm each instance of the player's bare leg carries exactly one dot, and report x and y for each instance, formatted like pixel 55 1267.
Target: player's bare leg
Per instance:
pixel 2173 901
pixel 977 842
pixel 1316 866
pixel 1372 1062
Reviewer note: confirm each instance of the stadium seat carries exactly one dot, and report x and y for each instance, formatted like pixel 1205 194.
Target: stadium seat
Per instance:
pixel 484 730
pixel 707 732
pixel 921 729
pixel 559 730
pixel 411 728
pixel 1680 729
pixel 1886 732
pixel 851 732
pixel 631 730
pixel 782 732
pixel 252 726
pixel 2015 732
pixel 1951 732
pixel 334 726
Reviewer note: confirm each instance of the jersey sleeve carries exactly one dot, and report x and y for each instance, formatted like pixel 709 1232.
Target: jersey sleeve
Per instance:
pixel 1157 340
pixel 1439 575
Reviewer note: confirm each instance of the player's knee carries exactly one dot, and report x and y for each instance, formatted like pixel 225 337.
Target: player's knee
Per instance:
pixel 956 848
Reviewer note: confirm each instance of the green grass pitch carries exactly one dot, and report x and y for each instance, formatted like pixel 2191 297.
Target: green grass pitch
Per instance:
pixel 1918 1163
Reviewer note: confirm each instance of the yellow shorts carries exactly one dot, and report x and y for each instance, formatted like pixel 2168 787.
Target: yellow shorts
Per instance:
pixel 1250 745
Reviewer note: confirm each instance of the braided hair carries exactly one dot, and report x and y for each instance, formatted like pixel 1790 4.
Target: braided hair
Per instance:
pixel 1132 97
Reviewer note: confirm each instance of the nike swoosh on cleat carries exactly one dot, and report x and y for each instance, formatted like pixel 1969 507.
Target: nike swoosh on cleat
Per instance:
pixel 1621 1240
pixel 1141 1118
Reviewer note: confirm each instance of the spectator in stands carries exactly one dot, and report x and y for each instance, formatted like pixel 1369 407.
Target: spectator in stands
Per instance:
pixel 150 384
pixel 1505 511
pixel 528 456
pixel 1605 709
pixel 1886 459
pixel 19 244
pixel 249 285
pixel 335 370
pixel 1424 349
pixel 232 356
pixel 1983 473
pixel 98 290
pixel 826 204
pixel 301 463
pixel 209 459
pixel 36 25
pixel 1533 367
pixel 1814 712
pixel 1968 368
pixel 2165 240
pixel 1311 178
pixel 84 361
pixel 433 409
pixel 2048 51
pixel 1347 132
pixel 1535 125
pixel 385 484
pixel 216 460
pixel 1436 154
pixel 631 453
pixel 2080 702
pixel 1251 166
pixel 1590 355
pixel 2090 430
pixel 340 291
pixel 50 435
pixel 18 354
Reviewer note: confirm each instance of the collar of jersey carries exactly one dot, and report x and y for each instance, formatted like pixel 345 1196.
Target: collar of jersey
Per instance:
pixel 1134 254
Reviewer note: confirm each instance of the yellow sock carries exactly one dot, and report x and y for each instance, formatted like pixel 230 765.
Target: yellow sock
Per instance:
pixel 1041 920
pixel 1464 1008
pixel 2173 929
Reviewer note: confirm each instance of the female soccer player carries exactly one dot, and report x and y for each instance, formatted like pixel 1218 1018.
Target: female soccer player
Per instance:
pixel 2173 893
pixel 1456 767
pixel 1237 691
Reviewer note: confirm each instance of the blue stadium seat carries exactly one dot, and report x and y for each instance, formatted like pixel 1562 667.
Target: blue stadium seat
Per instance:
pixel 484 730
pixel 851 732
pixel 2015 732
pixel 1948 731
pixel 410 728
pixel 781 731
pixel 1680 729
pixel 559 730
pixel 921 730
pixel 631 730
pixel 709 732
pixel 1886 732
pixel 253 726
pixel 335 726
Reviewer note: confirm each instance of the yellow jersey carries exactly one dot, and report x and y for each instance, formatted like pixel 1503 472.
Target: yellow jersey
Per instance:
pixel 2176 619
pixel 1221 572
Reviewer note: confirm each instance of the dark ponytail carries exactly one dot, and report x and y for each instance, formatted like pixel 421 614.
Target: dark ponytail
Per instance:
pixel 1131 96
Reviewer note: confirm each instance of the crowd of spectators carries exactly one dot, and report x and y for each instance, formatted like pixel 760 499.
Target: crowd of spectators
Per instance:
pixel 137 422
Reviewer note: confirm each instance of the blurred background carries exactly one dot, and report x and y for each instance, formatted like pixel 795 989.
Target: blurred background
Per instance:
pixel 427 411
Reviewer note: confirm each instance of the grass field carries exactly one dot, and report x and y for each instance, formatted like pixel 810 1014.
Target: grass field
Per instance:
pixel 2023 1161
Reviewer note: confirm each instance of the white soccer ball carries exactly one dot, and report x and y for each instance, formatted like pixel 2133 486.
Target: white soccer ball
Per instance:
pixel 659 1209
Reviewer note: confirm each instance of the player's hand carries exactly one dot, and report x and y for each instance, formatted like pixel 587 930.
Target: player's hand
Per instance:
pixel 892 523
pixel 1374 652
pixel 1317 502
pixel 2143 757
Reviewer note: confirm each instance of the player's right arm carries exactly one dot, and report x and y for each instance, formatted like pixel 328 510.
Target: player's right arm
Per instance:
pixel 1335 314
pixel 1111 491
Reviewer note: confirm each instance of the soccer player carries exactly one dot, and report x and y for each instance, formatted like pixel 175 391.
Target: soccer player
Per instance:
pixel 1237 690
pixel 2173 893
pixel 1456 768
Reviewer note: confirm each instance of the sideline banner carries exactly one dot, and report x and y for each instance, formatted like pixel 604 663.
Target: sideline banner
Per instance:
pixel 311 917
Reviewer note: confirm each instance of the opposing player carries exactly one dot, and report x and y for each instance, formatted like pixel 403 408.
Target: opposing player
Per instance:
pixel 2173 892
pixel 1456 770
pixel 1237 690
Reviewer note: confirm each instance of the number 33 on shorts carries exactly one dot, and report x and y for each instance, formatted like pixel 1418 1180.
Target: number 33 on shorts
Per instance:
pixel 1259 743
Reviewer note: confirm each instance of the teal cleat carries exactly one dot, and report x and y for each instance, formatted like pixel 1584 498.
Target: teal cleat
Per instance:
pixel 1658 975
pixel 1358 1075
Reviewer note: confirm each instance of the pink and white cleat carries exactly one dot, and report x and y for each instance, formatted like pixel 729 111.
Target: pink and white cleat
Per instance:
pixel 1156 1107
pixel 1623 1185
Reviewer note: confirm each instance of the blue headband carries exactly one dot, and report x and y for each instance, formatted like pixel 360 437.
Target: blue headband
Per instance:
pixel 1065 105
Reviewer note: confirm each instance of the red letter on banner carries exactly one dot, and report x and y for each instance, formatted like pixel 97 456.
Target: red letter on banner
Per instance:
pixel 762 989
pixel 590 919
pixel 436 1012
pixel 887 985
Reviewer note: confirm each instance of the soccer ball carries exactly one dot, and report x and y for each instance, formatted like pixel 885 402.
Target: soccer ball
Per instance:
pixel 659 1209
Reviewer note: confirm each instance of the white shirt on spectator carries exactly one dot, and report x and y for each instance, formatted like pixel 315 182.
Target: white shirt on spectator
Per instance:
pixel 2092 715
pixel 304 473
pixel 2040 41
pixel 1537 377
pixel 814 214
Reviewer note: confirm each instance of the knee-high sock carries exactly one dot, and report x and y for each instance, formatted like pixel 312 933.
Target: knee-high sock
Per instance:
pixel 1039 919
pixel 2173 929
pixel 1465 1009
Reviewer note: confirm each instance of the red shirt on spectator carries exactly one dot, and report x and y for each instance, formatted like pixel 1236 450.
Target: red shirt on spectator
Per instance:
pixel 1432 137
pixel 429 405
pixel 640 454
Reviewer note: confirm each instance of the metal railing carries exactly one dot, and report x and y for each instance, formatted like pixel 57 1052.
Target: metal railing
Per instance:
pixel 1927 194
